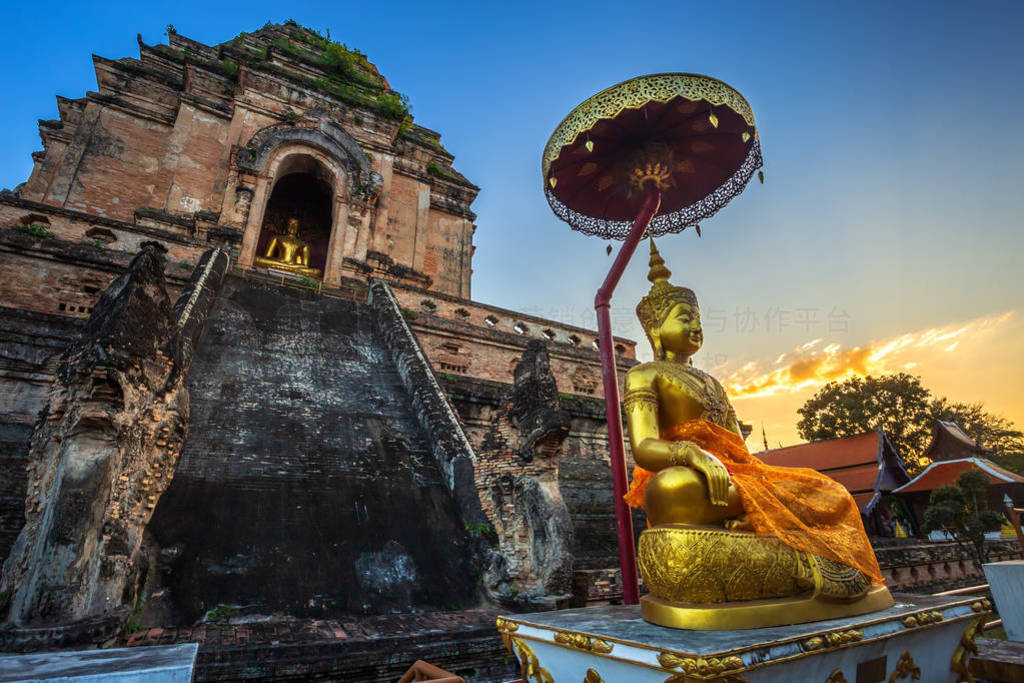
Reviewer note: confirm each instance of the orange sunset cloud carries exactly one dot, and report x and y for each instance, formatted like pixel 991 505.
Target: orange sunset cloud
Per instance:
pixel 976 360
pixel 810 366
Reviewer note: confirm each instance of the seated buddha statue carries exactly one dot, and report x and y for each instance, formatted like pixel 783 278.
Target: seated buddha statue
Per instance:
pixel 288 252
pixel 732 542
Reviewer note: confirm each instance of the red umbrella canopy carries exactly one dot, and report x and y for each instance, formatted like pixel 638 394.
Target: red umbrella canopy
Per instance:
pixel 692 135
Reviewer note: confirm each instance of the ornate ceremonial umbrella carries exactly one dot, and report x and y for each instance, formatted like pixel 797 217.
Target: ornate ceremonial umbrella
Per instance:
pixel 683 143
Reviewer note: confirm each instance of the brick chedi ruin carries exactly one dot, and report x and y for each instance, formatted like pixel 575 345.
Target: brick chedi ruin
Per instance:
pixel 242 373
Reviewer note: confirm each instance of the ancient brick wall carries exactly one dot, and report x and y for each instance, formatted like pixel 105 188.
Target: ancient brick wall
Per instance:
pixel 462 337
pixel 915 567
pixel 30 347
pixel 172 140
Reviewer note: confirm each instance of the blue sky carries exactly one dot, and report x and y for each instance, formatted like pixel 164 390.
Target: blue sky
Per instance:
pixel 892 135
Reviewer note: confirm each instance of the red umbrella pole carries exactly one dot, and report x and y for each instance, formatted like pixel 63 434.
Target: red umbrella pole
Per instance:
pixel 602 302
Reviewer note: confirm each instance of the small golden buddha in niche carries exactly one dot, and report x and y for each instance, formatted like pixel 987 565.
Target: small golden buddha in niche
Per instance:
pixel 288 252
pixel 732 543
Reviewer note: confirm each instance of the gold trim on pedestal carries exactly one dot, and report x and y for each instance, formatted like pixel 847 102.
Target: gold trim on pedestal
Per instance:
pixel 578 641
pixel 836 677
pixel 670 661
pixel 923 619
pixel 506 628
pixel 720 667
pixel 725 616
pixel 961 661
pixel 529 666
pixel 905 668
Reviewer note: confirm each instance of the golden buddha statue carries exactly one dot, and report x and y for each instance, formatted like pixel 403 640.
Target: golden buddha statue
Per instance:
pixel 732 543
pixel 288 252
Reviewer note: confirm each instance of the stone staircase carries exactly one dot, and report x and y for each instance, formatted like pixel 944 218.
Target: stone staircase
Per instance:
pixel 307 485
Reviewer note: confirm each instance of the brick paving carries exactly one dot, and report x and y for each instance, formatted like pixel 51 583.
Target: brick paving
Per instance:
pixel 376 648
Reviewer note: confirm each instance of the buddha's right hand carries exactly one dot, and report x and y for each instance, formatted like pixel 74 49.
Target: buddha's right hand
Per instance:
pixel 713 470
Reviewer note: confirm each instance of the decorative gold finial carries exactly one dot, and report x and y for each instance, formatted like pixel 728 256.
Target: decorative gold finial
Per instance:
pixel 658 272
pixel 662 296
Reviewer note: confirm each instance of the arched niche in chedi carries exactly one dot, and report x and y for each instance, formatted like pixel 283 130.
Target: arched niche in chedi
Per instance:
pixel 303 198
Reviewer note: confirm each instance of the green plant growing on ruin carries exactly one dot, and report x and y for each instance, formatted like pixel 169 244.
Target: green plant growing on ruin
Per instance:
pixel 434 169
pixel 99 244
pixel 230 68
pixel 479 528
pixel 286 46
pixel 408 313
pixel 169 30
pixel 357 119
pixel 405 125
pixel 220 614
pixel 292 115
pixel 392 105
pixel 133 624
pixel 961 510
pixel 485 531
pixel 338 60
pixel 185 265
pixel 40 230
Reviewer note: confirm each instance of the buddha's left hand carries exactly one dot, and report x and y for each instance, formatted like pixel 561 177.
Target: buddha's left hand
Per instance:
pixel 715 473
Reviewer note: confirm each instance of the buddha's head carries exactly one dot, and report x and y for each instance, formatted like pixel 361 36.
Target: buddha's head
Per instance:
pixel 293 226
pixel 669 314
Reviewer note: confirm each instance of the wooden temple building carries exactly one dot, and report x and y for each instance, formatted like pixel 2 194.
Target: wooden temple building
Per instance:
pixel 867 465
pixel 952 453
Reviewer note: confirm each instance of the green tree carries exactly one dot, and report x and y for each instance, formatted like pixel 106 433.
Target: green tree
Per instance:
pixel 904 409
pixel 961 510
pixel 896 403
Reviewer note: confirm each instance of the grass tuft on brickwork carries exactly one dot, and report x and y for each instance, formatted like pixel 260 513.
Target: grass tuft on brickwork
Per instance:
pixel 40 230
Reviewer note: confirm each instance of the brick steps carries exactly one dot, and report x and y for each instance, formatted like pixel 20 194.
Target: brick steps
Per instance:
pixel 378 648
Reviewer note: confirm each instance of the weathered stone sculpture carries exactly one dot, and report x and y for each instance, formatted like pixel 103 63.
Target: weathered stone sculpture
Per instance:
pixel 105 448
pixel 533 526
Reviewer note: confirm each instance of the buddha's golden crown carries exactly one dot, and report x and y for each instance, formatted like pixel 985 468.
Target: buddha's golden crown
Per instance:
pixel 662 296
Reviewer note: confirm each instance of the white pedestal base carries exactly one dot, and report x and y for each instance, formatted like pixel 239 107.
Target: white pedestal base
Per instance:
pixel 919 635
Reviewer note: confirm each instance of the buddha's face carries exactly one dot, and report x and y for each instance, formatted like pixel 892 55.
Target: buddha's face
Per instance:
pixel 681 332
pixel 293 226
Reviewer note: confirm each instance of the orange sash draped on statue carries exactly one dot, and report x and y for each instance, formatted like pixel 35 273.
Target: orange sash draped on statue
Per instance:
pixel 801 507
